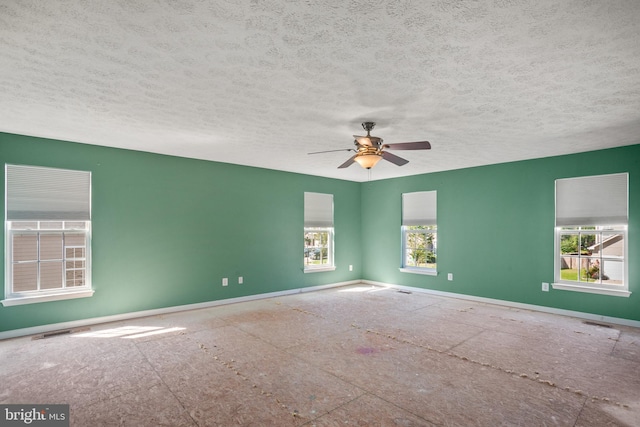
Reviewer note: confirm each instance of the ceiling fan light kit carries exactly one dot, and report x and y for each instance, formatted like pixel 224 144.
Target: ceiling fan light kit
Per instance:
pixel 370 150
pixel 367 161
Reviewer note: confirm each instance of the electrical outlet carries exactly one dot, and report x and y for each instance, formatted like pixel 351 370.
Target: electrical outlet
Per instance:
pixel 225 281
pixel 450 276
pixel 350 267
pixel 545 287
pixel 240 280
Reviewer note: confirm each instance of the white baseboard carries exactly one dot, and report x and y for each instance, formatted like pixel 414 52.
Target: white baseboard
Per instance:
pixel 35 330
pixel 570 313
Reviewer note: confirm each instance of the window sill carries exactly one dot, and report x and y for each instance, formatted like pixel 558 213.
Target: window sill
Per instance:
pixel 591 290
pixel 319 269
pixel 32 299
pixel 424 271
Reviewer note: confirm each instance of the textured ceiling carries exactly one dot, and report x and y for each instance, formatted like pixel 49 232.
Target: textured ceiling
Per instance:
pixel 264 82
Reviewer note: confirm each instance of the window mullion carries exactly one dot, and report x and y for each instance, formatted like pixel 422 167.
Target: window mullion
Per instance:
pixel 579 279
pixel 64 260
pixel 600 255
pixel 38 259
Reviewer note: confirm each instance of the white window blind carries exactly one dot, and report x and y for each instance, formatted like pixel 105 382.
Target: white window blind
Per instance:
pixel 41 194
pixel 318 210
pixel 592 200
pixel 419 208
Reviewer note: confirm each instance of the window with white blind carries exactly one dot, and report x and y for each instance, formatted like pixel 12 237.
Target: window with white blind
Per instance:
pixel 591 234
pixel 318 232
pixel 48 234
pixel 419 232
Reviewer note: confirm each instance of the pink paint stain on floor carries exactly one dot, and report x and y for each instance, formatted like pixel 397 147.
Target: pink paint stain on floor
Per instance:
pixel 366 350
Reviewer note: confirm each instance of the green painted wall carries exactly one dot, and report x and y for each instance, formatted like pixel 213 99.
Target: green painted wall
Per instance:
pixel 166 230
pixel 496 230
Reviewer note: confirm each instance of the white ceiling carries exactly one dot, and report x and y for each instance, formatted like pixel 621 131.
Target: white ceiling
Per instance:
pixel 264 82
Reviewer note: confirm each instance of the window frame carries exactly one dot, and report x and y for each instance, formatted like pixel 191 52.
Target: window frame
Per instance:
pixel 586 286
pixel 406 230
pixel 318 216
pixel 419 209
pixel 585 205
pixel 330 265
pixel 55 222
pixel 13 297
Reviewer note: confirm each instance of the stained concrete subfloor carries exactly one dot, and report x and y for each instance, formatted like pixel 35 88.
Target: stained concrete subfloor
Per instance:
pixel 357 355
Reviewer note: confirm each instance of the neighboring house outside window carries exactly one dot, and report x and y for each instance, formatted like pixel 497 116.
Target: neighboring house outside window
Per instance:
pixel 48 234
pixel 318 232
pixel 419 232
pixel 591 234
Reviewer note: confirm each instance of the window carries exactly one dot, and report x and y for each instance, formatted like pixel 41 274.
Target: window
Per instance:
pixel 47 234
pixel 591 234
pixel 318 232
pixel 419 232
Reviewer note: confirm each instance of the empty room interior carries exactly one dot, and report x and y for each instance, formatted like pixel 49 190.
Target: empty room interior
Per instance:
pixel 321 213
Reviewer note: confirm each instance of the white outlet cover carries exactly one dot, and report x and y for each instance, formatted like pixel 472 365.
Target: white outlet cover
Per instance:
pixel 450 276
pixel 225 281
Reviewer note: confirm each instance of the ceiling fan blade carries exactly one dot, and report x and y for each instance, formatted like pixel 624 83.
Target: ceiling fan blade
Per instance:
pixel 331 151
pixel 394 159
pixel 419 145
pixel 347 163
pixel 363 140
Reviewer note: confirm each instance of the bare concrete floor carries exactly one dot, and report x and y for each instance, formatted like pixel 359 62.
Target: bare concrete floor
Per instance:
pixel 359 355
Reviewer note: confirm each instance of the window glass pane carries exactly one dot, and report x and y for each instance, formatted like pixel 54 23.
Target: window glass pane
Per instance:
pixel 24 225
pixel 74 239
pixel 410 259
pixel 416 249
pixel 589 270
pixel 587 241
pixel 74 278
pixel 324 256
pixel 70 225
pixel 569 268
pixel 50 246
pixel 25 247
pixel 613 271
pixel 569 243
pixel 51 225
pixel 71 265
pixel 417 240
pixel 430 256
pixel 73 253
pixel 611 245
pixel 581 272
pixel 50 275
pixel 25 277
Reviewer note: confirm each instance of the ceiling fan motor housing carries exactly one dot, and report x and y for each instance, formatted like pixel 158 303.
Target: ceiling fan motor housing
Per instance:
pixel 368 126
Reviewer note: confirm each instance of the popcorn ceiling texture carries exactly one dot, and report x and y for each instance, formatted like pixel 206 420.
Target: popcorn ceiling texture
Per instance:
pixel 262 83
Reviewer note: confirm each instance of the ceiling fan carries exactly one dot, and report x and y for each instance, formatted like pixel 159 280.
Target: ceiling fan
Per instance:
pixel 370 150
